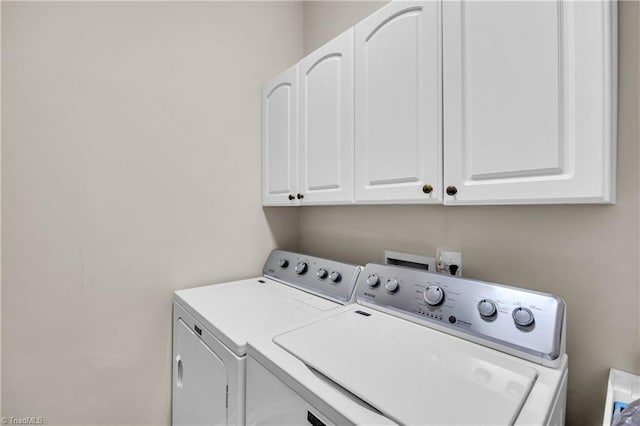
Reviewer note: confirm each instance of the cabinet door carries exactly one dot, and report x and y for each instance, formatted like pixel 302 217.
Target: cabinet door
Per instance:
pixel 398 105
pixel 529 101
pixel 279 126
pixel 326 123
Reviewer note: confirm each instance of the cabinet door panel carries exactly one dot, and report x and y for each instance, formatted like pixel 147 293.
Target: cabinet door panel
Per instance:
pixel 502 70
pixel 528 102
pixel 279 124
pixel 326 123
pixel 398 104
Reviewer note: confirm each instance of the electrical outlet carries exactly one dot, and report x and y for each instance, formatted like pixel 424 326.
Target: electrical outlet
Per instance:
pixel 449 262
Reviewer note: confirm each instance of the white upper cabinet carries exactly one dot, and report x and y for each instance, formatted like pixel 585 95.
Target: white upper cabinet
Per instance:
pixel 326 123
pixel 454 102
pixel 398 125
pixel 529 101
pixel 279 139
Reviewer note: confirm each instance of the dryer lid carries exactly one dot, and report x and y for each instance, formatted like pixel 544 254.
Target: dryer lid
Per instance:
pixel 413 374
pixel 234 311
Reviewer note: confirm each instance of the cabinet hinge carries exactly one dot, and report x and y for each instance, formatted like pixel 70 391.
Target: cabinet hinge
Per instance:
pixel 226 402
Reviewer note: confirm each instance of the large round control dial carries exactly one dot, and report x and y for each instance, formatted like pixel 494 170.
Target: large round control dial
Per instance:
pixel 433 295
pixel 523 317
pixel 322 273
pixel 283 263
pixel 391 285
pixel 487 308
pixel 373 280
pixel 301 268
pixel 335 276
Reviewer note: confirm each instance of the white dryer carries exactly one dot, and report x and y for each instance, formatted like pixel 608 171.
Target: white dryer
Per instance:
pixel 211 325
pixel 416 349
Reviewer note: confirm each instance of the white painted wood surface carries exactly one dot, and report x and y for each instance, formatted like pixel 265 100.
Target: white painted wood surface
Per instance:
pixel 326 123
pixel 398 105
pixel 505 102
pixel 529 102
pixel 279 139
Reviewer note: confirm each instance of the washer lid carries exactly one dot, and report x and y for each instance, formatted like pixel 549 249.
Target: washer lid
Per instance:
pixel 410 373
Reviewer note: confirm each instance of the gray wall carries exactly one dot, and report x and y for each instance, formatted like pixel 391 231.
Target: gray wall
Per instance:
pixel 131 168
pixel 588 255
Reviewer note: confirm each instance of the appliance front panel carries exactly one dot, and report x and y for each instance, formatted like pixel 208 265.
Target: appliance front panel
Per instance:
pixel 199 381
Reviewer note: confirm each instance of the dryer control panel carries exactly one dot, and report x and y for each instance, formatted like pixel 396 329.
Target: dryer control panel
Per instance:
pixel 523 321
pixel 324 277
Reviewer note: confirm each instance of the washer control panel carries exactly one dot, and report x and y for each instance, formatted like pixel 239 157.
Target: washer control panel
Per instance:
pixel 324 277
pixel 524 320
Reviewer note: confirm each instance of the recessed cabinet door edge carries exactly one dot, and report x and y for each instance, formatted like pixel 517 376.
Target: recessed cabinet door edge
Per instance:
pixel 326 115
pixel 581 167
pixel 610 34
pixel 279 139
pixel 398 101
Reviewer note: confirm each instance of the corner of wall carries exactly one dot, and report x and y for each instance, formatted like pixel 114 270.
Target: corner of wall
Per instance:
pixel 324 20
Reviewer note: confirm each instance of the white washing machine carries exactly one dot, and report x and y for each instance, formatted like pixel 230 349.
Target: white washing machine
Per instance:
pixel 211 325
pixel 416 349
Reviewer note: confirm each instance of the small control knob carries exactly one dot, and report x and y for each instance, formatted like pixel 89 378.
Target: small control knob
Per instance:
pixel 301 268
pixel 391 285
pixel 433 295
pixel 335 276
pixel 487 308
pixel 283 263
pixel 523 317
pixel 322 273
pixel 373 280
